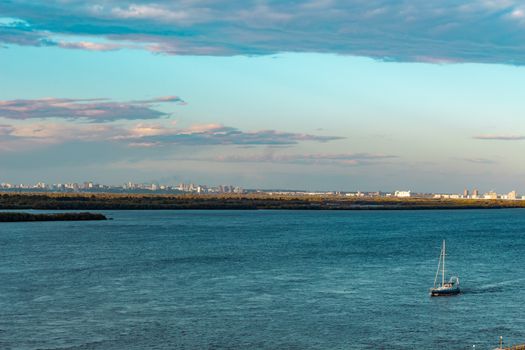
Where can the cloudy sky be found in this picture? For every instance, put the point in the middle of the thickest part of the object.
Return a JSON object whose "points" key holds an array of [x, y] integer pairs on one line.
{"points": [[317, 94]]}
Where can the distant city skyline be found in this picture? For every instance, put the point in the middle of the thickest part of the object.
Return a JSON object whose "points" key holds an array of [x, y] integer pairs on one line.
{"points": [[201, 188], [315, 95]]}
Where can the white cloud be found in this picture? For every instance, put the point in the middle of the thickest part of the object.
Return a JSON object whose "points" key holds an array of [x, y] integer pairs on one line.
{"points": [[155, 12]]}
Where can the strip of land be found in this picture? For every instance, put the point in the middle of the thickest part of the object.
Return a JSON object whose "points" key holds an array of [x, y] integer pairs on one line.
{"points": [[103, 201], [22, 217]]}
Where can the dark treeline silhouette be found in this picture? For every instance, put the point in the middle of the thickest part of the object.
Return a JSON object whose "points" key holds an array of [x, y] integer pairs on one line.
{"points": [[106, 201], [18, 217]]}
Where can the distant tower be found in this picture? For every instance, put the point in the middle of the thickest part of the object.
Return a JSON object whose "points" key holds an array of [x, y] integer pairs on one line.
{"points": [[465, 193], [475, 193]]}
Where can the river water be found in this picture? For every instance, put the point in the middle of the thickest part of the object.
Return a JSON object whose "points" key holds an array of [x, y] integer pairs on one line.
{"points": [[262, 280]]}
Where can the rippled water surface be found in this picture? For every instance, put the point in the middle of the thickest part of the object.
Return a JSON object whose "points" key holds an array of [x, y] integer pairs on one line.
{"points": [[262, 280]]}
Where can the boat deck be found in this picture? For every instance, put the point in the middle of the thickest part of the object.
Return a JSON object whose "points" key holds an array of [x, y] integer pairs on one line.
{"points": [[513, 347]]}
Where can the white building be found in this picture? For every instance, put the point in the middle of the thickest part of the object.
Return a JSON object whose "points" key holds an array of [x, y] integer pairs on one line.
{"points": [[490, 195], [402, 194]]}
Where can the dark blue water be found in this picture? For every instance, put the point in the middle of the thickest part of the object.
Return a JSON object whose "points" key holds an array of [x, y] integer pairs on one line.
{"points": [[262, 280]]}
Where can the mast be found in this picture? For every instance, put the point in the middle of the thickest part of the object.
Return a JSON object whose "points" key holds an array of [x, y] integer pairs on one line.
{"points": [[439, 267], [443, 274]]}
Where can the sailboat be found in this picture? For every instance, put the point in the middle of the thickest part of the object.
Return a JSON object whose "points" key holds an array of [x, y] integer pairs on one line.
{"points": [[445, 288]]}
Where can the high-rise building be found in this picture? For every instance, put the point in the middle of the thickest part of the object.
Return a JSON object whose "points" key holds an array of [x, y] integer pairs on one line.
{"points": [[465, 193], [475, 193], [512, 195]]}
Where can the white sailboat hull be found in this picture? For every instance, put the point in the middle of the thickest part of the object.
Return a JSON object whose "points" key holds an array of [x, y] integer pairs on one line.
{"points": [[449, 288]]}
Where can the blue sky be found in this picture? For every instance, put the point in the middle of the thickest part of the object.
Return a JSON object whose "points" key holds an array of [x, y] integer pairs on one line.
{"points": [[316, 94]]}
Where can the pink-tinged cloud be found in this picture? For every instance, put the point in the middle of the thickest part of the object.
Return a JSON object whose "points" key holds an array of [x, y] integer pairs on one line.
{"points": [[61, 132], [92, 110], [31, 136], [437, 60], [144, 129], [202, 128], [151, 134], [90, 46]]}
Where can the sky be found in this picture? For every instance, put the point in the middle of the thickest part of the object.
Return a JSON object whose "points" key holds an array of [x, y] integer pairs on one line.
{"points": [[314, 95]]}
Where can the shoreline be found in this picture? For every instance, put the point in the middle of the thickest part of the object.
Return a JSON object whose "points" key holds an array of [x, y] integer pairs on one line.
{"points": [[29, 217], [106, 201]]}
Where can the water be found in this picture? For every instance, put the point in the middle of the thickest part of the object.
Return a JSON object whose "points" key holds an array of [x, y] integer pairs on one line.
{"points": [[262, 280]]}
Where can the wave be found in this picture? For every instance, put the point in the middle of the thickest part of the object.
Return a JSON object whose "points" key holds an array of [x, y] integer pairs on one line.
{"points": [[494, 287]]}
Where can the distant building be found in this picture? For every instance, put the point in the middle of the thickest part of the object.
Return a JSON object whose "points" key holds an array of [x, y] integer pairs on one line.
{"points": [[402, 194], [475, 193], [447, 196], [465, 193], [490, 195], [513, 195]]}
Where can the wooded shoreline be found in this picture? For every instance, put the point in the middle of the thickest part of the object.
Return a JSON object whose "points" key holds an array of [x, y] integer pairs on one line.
{"points": [[24, 217], [106, 201]]}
